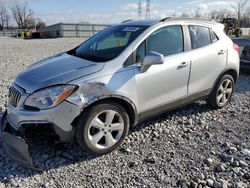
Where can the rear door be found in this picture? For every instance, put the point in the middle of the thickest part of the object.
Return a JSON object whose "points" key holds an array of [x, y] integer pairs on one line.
{"points": [[209, 57]]}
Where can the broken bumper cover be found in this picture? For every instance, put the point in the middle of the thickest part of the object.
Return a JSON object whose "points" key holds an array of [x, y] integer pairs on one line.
{"points": [[14, 121], [16, 147], [60, 116]]}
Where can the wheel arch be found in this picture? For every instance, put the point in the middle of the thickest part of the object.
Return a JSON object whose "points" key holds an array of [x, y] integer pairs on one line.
{"points": [[128, 105], [231, 71]]}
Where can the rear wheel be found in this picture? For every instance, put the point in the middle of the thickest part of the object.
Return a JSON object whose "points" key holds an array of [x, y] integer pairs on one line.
{"points": [[103, 128], [222, 92]]}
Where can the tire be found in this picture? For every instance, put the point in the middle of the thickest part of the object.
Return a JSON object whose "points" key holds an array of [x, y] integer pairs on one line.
{"points": [[230, 32], [222, 92], [238, 33], [99, 133]]}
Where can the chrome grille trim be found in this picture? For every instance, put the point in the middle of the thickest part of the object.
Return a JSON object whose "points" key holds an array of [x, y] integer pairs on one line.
{"points": [[14, 96]]}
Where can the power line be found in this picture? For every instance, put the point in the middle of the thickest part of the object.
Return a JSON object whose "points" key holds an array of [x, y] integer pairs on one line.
{"points": [[139, 10], [148, 11]]}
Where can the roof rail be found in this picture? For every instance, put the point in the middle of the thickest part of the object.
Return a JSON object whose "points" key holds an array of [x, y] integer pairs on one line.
{"points": [[127, 21], [164, 19]]}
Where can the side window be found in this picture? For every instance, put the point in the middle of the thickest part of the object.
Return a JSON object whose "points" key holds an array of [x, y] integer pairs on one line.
{"points": [[200, 36], [214, 37], [167, 40]]}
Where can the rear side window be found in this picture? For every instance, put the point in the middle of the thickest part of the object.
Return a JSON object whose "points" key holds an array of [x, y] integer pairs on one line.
{"points": [[200, 36], [214, 37]]}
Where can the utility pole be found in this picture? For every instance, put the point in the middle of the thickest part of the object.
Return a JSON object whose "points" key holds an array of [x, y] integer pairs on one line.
{"points": [[139, 10], [148, 14]]}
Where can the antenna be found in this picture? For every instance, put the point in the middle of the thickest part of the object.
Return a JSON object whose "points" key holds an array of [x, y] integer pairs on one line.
{"points": [[148, 14], [164, 19], [139, 10], [127, 21]]}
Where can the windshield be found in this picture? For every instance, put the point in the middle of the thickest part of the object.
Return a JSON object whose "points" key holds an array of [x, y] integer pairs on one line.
{"points": [[108, 44]]}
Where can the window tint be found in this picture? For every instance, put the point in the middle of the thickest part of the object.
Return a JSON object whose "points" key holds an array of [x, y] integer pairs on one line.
{"points": [[200, 36], [214, 37], [167, 40]]}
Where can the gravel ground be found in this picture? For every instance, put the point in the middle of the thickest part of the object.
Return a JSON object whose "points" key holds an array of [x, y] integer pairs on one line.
{"points": [[195, 146]]}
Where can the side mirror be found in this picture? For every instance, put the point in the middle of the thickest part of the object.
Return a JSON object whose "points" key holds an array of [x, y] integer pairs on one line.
{"points": [[153, 58]]}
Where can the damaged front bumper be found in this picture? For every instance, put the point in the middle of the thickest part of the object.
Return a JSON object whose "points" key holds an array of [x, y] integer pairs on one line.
{"points": [[15, 146], [15, 123], [17, 149]]}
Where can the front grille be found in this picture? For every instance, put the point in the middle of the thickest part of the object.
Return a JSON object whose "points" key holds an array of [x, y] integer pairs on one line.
{"points": [[14, 96]]}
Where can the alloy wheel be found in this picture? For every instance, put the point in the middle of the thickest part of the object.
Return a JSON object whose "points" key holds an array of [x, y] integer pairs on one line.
{"points": [[224, 92], [106, 129]]}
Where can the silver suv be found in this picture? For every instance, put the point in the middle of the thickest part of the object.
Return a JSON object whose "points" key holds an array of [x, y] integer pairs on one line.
{"points": [[119, 77]]}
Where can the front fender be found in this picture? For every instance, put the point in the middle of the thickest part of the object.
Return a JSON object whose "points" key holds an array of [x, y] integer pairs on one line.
{"points": [[90, 93]]}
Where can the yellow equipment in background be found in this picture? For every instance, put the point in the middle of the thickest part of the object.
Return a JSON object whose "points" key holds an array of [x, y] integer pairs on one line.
{"points": [[26, 35], [232, 27]]}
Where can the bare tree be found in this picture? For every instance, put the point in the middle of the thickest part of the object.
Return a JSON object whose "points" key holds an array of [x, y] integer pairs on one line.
{"points": [[240, 7], [245, 18], [3, 17], [31, 22], [7, 20], [40, 24], [22, 14], [219, 14], [213, 15]]}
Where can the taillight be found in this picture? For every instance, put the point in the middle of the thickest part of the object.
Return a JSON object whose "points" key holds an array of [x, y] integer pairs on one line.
{"points": [[237, 48]]}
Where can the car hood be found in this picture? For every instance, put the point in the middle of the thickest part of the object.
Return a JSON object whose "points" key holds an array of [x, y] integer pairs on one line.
{"points": [[59, 69]]}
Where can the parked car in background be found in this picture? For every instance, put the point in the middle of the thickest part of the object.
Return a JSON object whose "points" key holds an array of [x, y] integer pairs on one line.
{"points": [[121, 76], [245, 59]]}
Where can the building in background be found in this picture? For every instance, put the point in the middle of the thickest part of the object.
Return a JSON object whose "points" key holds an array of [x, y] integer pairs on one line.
{"points": [[71, 30]]}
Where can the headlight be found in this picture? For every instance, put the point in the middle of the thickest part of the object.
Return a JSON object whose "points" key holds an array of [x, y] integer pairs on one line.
{"points": [[49, 97]]}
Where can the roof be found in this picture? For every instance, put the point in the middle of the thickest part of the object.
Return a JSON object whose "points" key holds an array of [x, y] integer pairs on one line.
{"points": [[141, 22], [178, 20], [192, 20]]}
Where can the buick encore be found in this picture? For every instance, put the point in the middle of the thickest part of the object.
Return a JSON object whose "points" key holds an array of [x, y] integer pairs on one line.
{"points": [[125, 74]]}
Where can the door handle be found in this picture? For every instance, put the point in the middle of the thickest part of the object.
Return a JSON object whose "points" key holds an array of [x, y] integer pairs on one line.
{"points": [[221, 52], [182, 65]]}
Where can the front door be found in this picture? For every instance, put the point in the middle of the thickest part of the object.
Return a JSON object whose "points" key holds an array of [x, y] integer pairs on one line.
{"points": [[166, 83]]}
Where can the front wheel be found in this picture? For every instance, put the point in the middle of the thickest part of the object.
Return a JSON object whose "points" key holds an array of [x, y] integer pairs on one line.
{"points": [[238, 33], [222, 92], [103, 128], [230, 33]]}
